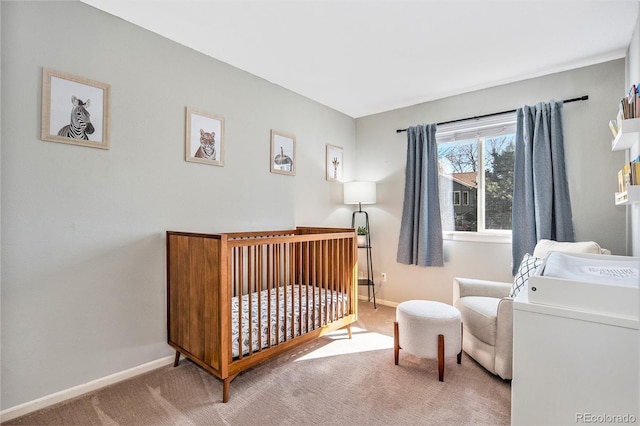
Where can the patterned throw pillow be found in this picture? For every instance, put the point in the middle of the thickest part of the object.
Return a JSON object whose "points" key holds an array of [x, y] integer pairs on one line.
{"points": [[527, 267]]}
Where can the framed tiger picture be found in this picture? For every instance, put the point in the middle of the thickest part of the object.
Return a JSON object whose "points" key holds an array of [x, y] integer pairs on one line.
{"points": [[75, 110], [204, 139]]}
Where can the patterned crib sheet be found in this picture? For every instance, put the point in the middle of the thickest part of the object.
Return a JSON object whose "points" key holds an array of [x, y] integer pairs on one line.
{"points": [[317, 312]]}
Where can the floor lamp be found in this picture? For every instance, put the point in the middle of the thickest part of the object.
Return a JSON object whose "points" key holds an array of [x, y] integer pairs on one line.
{"points": [[363, 193]]}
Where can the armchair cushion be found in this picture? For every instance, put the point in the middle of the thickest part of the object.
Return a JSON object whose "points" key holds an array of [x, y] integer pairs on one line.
{"points": [[464, 287], [479, 316], [527, 267]]}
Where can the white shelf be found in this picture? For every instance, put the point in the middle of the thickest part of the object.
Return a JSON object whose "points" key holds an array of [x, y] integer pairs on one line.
{"points": [[628, 134], [631, 196]]}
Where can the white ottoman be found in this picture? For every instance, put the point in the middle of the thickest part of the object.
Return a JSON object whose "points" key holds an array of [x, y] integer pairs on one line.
{"points": [[428, 329]]}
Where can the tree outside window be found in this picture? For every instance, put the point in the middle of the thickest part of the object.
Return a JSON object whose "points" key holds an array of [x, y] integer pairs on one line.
{"points": [[481, 170]]}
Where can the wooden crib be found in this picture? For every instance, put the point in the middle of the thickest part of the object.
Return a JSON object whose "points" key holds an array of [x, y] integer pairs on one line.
{"points": [[237, 299]]}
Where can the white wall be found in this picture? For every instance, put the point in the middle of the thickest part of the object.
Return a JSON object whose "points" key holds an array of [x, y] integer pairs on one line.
{"points": [[592, 168], [83, 266], [633, 77]]}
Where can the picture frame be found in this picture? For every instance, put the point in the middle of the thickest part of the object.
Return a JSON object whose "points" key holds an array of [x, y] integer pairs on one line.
{"points": [[75, 110], [334, 161], [283, 153], [204, 137]]}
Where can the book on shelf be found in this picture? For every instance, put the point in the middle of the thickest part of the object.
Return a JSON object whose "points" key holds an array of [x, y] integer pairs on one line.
{"points": [[619, 119], [629, 106], [614, 128], [629, 175], [622, 187]]}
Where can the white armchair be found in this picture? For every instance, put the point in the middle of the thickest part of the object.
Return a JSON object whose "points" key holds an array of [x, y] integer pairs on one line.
{"points": [[487, 318], [487, 311]]}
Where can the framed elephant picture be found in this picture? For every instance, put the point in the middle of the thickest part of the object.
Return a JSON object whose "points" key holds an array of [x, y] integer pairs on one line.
{"points": [[283, 153], [75, 110]]}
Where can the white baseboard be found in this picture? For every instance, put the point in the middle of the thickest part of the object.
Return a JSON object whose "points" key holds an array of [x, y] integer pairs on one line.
{"points": [[54, 398], [379, 301]]}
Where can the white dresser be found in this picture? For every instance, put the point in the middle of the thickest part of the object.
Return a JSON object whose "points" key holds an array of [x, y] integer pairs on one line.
{"points": [[573, 365]]}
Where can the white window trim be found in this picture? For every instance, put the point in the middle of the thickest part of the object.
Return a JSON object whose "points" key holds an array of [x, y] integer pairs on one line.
{"points": [[478, 128], [499, 236]]}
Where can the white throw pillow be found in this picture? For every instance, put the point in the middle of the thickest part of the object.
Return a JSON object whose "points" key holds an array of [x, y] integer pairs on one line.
{"points": [[545, 246], [527, 267]]}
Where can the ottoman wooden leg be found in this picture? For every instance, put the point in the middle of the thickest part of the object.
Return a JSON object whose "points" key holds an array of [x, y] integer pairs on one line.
{"points": [[460, 354], [440, 357], [396, 342]]}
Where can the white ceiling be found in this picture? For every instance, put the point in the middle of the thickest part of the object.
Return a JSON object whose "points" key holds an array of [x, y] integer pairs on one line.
{"points": [[363, 57]]}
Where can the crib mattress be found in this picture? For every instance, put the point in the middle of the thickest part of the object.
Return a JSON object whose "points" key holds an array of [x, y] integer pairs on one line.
{"points": [[316, 304]]}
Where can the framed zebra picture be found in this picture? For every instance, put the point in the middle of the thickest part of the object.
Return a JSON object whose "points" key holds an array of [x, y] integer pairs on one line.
{"points": [[333, 163], [75, 110], [283, 153], [204, 139]]}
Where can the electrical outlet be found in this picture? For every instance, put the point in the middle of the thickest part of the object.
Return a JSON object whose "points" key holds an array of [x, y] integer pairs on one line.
{"points": [[383, 277]]}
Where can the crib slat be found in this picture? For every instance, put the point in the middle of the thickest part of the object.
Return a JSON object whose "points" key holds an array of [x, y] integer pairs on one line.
{"points": [[239, 292], [249, 270], [259, 290], [292, 284], [313, 282], [338, 283], [277, 289], [299, 280], [345, 276], [332, 278], [341, 276], [325, 281], [307, 279], [283, 284], [269, 285]]}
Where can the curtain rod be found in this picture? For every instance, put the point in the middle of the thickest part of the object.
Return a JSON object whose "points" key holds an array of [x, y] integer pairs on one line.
{"points": [[566, 101]]}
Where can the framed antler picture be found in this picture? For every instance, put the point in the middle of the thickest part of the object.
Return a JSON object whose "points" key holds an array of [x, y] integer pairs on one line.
{"points": [[283, 153], [204, 139], [334, 163], [75, 110]]}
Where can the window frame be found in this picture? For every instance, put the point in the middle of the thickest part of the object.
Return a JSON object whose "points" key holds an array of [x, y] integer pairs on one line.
{"points": [[478, 129]]}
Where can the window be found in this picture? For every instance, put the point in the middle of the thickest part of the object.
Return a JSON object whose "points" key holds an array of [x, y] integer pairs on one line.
{"points": [[476, 161]]}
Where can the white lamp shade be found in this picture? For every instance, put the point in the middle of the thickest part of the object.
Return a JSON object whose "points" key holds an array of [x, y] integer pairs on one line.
{"points": [[360, 193]]}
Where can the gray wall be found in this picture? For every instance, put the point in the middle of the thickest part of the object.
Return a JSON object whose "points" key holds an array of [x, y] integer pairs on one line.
{"points": [[83, 278], [82, 229], [592, 169]]}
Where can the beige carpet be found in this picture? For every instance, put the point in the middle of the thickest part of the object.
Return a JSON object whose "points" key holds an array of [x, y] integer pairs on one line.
{"points": [[330, 381]]}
